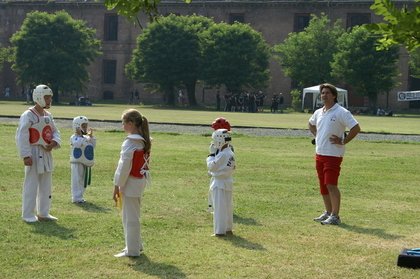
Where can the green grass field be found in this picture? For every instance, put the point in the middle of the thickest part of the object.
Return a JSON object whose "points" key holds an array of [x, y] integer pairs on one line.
{"points": [[275, 198], [403, 124]]}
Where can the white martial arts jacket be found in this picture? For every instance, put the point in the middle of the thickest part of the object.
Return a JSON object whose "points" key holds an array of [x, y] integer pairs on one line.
{"points": [[128, 184], [37, 152], [221, 168]]}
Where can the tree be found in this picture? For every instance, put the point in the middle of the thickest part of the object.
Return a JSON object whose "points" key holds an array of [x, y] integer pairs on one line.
{"points": [[400, 26], [305, 56], [6, 55], [2, 56], [168, 53], [131, 8], [414, 62], [54, 49], [236, 56], [368, 70]]}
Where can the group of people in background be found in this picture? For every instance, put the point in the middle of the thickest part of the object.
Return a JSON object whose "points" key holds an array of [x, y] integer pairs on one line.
{"points": [[244, 102], [37, 135], [134, 97]]}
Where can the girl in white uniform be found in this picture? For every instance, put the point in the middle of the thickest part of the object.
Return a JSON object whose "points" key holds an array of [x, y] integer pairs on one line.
{"points": [[81, 157], [36, 136], [221, 166], [131, 177]]}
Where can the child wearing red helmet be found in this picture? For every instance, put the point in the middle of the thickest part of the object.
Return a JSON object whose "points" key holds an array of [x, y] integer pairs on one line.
{"points": [[218, 123]]}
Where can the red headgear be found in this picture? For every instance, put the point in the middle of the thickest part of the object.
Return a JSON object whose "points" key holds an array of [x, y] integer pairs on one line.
{"points": [[220, 123]]}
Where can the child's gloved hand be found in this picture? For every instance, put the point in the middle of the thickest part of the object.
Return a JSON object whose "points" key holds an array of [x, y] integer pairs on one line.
{"points": [[212, 149]]}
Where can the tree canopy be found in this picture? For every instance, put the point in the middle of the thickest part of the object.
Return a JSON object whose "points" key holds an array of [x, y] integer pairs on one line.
{"points": [[414, 62], [236, 56], [400, 26], [305, 56], [168, 53], [131, 8], [2, 56], [177, 51], [359, 64], [54, 49]]}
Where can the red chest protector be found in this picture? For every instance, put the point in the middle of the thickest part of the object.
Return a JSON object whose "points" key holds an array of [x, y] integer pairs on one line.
{"points": [[140, 164], [40, 133]]}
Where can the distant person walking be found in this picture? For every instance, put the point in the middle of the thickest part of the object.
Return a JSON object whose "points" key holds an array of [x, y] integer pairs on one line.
{"points": [[274, 104], [281, 102], [7, 92], [328, 125]]}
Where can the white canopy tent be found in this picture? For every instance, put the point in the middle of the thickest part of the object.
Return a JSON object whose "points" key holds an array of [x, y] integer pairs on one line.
{"points": [[342, 97]]}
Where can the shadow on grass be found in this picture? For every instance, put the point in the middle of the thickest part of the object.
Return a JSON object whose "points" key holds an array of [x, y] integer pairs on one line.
{"points": [[54, 229], [243, 243], [372, 231], [91, 207], [245, 221], [160, 270]]}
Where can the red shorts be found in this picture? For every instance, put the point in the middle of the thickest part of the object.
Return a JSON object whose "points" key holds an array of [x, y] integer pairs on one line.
{"points": [[328, 169]]}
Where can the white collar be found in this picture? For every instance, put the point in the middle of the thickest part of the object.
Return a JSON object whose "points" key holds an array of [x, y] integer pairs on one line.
{"points": [[135, 137]]}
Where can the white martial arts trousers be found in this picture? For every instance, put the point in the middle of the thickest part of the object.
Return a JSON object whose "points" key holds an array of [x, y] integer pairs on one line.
{"points": [[131, 224], [223, 210], [77, 181], [36, 196]]}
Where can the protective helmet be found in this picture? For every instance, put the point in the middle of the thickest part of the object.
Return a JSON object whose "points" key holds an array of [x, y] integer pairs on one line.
{"points": [[77, 123], [39, 92], [220, 137], [220, 123]]}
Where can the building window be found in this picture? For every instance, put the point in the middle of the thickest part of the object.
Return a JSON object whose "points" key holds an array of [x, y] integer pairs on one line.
{"points": [[301, 22], [108, 95], [111, 27], [236, 18], [109, 71], [357, 19]]}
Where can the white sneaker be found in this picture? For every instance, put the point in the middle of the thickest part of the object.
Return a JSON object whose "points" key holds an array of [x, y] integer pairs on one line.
{"points": [[332, 220], [324, 216], [30, 219], [121, 254], [124, 253], [49, 217]]}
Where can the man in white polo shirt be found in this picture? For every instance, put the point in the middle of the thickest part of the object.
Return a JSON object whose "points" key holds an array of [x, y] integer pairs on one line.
{"points": [[328, 125]]}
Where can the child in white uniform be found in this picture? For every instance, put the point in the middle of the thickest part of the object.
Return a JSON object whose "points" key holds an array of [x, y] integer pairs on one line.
{"points": [[218, 123], [131, 177], [221, 166], [81, 157], [36, 136]]}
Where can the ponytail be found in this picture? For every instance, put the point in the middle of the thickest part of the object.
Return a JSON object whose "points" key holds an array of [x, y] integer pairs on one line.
{"points": [[144, 131], [142, 124]]}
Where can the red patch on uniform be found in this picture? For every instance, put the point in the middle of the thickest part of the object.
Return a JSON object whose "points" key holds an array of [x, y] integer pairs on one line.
{"points": [[33, 135], [47, 134]]}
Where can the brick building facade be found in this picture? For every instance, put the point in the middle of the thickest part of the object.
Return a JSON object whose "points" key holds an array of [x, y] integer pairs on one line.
{"points": [[274, 19]]}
